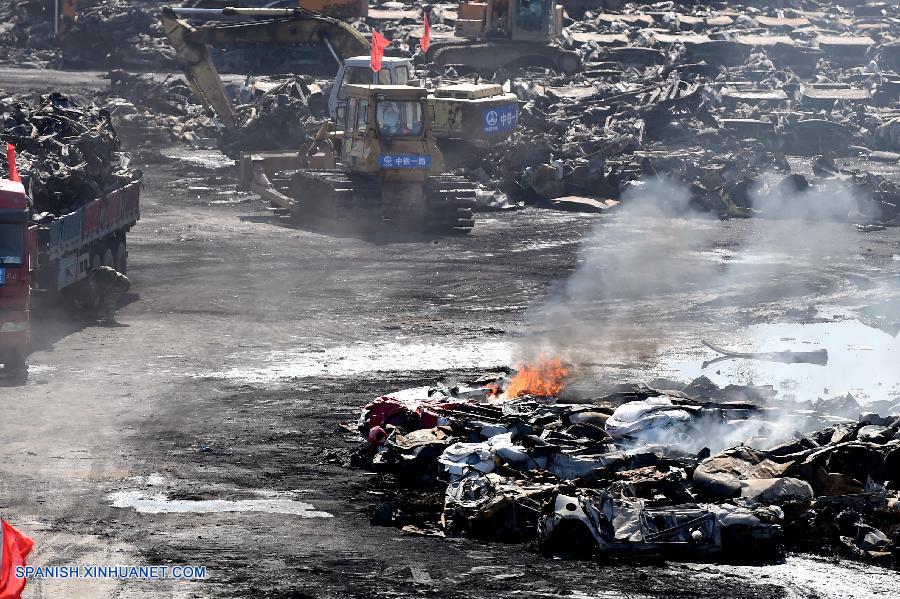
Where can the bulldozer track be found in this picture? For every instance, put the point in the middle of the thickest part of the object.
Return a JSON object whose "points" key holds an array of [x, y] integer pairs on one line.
{"points": [[342, 201], [495, 55]]}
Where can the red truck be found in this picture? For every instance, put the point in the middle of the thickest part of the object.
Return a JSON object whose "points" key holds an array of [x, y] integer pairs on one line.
{"points": [[54, 258]]}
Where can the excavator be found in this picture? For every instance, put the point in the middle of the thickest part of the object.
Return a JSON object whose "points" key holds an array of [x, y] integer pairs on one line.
{"points": [[293, 26], [494, 34], [365, 175], [382, 171], [344, 9]]}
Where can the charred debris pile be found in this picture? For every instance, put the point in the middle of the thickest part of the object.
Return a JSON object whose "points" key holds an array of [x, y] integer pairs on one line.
{"points": [[67, 153], [686, 471], [279, 113], [106, 34]]}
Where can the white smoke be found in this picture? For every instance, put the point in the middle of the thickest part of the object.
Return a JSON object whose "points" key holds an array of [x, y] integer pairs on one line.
{"points": [[651, 278]]}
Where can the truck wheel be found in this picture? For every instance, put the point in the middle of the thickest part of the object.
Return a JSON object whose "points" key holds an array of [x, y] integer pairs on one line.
{"points": [[15, 363], [122, 258]]}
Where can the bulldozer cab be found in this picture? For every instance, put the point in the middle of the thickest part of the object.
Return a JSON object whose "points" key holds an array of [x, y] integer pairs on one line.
{"points": [[387, 130], [526, 20], [358, 71]]}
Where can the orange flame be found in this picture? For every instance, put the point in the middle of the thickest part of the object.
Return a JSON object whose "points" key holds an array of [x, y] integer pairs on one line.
{"points": [[544, 378]]}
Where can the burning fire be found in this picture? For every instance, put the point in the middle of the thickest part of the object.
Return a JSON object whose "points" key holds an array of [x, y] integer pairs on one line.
{"points": [[543, 378]]}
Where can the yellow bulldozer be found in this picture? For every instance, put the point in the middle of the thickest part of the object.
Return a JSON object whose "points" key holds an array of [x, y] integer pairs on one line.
{"points": [[382, 171], [494, 34]]}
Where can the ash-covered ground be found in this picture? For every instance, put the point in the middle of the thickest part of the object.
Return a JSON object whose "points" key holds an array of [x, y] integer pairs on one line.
{"points": [[248, 341]]}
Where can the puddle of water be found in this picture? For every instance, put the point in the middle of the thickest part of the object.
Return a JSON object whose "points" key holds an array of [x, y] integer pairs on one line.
{"points": [[803, 577], [160, 504], [361, 358], [210, 159], [229, 201], [861, 360], [543, 245], [734, 257]]}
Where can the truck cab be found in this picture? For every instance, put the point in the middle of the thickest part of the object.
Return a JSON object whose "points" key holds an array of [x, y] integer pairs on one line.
{"points": [[15, 291]]}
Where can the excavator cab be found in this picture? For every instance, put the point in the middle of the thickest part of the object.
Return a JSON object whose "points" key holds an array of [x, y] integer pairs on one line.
{"points": [[387, 130], [511, 34], [522, 20]]}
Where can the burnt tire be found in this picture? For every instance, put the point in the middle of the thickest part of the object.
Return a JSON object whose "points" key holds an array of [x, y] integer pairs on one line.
{"points": [[14, 363]]}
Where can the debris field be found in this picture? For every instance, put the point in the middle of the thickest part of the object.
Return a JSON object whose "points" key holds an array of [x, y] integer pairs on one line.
{"points": [[742, 103]]}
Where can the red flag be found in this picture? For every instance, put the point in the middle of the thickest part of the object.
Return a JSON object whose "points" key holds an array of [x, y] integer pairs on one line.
{"points": [[11, 161], [15, 546], [426, 36], [379, 43]]}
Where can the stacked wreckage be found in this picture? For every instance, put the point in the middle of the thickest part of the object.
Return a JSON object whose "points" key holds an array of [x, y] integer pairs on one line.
{"points": [[691, 472], [68, 153]]}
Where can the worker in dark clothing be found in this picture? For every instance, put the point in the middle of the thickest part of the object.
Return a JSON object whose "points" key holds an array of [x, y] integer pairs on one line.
{"points": [[108, 285]]}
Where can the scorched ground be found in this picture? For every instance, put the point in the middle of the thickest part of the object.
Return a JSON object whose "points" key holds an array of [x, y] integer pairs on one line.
{"points": [[248, 340]]}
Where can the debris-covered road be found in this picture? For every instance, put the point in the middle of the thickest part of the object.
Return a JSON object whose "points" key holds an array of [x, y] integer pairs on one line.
{"points": [[247, 341]]}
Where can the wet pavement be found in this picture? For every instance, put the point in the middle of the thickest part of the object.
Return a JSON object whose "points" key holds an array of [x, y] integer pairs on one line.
{"points": [[861, 362]]}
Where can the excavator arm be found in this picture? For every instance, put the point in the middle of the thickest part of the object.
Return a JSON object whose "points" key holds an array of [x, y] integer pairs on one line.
{"points": [[280, 26]]}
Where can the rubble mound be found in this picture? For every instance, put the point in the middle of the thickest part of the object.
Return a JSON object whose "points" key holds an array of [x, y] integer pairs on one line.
{"points": [[105, 34], [153, 112], [25, 32], [279, 118], [116, 34]]}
